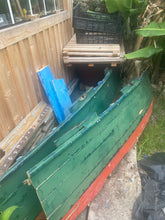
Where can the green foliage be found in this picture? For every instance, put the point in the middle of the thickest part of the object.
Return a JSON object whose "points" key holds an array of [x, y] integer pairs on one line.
{"points": [[152, 30], [5, 215], [146, 52], [127, 7], [152, 139]]}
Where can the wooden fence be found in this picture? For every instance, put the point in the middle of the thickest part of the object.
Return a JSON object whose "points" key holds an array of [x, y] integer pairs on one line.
{"points": [[24, 49]]}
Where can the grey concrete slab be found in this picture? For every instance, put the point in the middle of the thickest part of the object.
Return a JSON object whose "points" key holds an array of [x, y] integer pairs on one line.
{"points": [[116, 199]]}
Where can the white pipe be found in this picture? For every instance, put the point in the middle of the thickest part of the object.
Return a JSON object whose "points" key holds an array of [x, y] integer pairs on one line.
{"points": [[11, 12], [44, 7], [55, 5], [30, 6]]}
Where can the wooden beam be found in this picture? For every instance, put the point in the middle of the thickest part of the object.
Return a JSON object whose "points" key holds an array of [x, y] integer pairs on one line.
{"points": [[92, 54], [26, 135], [98, 60], [20, 32], [92, 48]]}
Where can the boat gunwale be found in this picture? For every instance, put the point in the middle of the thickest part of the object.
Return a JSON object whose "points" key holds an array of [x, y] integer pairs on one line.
{"points": [[33, 151], [58, 151]]}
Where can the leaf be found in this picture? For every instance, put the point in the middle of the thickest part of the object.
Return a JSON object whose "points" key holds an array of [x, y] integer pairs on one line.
{"points": [[152, 30], [126, 7], [118, 5], [7, 213], [144, 53]]}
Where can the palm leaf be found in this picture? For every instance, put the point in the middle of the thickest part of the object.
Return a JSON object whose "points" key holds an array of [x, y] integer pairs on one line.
{"points": [[118, 5], [144, 53], [152, 30]]}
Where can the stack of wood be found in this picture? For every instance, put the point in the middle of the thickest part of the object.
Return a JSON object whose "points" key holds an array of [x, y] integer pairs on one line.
{"points": [[29, 132], [74, 53]]}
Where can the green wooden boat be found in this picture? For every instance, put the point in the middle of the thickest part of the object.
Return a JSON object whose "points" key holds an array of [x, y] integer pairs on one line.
{"points": [[66, 170]]}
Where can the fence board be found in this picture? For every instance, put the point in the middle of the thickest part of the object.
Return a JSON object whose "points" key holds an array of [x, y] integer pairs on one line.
{"points": [[24, 49], [17, 33]]}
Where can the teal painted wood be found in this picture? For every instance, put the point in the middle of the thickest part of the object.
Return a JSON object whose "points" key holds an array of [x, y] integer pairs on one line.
{"points": [[13, 191], [63, 176]]}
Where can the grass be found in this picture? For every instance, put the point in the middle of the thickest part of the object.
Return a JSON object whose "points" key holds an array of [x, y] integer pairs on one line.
{"points": [[153, 137]]}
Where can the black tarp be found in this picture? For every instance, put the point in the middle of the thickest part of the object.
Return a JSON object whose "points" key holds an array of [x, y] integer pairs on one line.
{"points": [[150, 205]]}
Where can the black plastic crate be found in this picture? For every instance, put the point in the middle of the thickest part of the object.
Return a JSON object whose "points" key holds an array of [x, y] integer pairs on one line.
{"points": [[96, 22], [86, 37]]}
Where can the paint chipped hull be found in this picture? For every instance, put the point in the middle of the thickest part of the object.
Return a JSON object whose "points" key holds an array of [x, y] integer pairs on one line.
{"points": [[12, 187], [82, 163]]}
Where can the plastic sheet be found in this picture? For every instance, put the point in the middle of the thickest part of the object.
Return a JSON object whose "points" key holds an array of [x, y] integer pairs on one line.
{"points": [[150, 205]]}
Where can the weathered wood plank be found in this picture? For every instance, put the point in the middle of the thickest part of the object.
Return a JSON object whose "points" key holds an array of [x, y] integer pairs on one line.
{"points": [[92, 59], [11, 109], [14, 34], [19, 78], [23, 126], [93, 48], [90, 54], [25, 135]]}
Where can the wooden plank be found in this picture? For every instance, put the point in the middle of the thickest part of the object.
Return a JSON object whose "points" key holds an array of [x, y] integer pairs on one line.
{"points": [[68, 72], [41, 48], [17, 33], [92, 59], [6, 119], [91, 54], [11, 108], [56, 92], [56, 51], [93, 48], [46, 42], [26, 67], [21, 129], [14, 144], [60, 41], [53, 52], [33, 60], [19, 78], [70, 44]]}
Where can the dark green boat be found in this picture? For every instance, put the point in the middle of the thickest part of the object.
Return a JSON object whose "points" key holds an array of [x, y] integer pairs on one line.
{"points": [[64, 172]]}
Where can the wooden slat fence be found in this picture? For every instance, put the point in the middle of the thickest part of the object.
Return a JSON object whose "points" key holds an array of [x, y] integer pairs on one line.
{"points": [[24, 49]]}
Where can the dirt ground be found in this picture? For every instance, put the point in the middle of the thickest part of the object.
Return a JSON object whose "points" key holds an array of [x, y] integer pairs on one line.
{"points": [[116, 199]]}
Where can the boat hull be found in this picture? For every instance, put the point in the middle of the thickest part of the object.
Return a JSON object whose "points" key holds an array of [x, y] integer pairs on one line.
{"points": [[97, 185], [61, 179], [12, 187]]}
